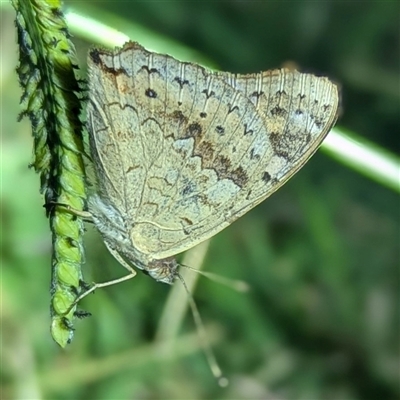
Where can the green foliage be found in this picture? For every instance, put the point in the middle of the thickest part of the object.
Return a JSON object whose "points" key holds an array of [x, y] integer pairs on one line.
{"points": [[321, 255]]}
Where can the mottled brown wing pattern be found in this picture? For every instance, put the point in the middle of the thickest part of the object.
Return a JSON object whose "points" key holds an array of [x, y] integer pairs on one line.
{"points": [[202, 148]]}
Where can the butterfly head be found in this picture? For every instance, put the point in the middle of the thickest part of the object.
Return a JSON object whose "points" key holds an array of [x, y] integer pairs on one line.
{"points": [[164, 270]]}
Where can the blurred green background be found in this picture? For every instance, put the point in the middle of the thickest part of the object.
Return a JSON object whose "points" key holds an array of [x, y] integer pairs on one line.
{"points": [[322, 255]]}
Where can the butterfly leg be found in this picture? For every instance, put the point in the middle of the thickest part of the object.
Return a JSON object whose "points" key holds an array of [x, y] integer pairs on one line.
{"points": [[121, 261], [108, 283], [79, 213]]}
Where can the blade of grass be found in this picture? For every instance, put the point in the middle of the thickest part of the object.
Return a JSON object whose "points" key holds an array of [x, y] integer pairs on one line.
{"points": [[363, 156]]}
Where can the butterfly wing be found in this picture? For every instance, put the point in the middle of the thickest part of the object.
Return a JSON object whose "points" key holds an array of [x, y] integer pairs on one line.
{"points": [[182, 152]]}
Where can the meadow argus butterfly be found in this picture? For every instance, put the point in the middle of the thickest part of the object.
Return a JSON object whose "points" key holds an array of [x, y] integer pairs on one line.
{"points": [[180, 152]]}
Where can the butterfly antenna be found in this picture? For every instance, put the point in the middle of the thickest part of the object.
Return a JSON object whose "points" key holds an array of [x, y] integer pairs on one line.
{"points": [[235, 284], [212, 361]]}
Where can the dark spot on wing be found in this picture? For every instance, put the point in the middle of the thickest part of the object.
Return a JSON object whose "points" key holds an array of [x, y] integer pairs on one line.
{"points": [[254, 155], [149, 70], [181, 82], [257, 94], [150, 93], [221, 166], [220, 129], [232, 109], [95, 56], [278, 112], [247, 131], [206, 151], [194, 130], [187, 220], [266, 177], [318, 123], [208, 93], [239, 176], [178, 115], [279, 145]]}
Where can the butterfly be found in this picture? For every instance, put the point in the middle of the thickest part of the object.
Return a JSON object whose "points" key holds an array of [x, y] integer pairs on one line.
{"points": [[180, 152]]}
